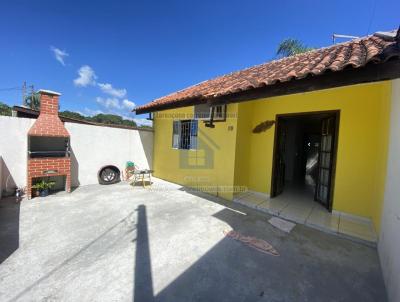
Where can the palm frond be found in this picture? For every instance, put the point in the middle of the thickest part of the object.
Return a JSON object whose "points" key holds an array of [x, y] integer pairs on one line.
{"points": [[290, 47]]}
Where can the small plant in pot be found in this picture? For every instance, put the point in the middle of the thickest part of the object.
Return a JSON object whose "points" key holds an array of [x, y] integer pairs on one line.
{"points": [[43, 187]]}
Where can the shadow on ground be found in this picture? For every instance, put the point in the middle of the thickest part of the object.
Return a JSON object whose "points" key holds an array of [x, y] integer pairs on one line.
{"points": [[312, 266], [9, 227], [101, 238], [139, 183]]}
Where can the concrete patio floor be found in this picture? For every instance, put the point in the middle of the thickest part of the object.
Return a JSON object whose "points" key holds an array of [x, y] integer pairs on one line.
{"points": [[299, 206], [119, 243]]}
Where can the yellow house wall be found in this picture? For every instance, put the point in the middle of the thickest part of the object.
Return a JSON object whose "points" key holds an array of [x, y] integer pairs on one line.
{"points": [[244, 127], [242, 158], [362, 147], [186, 167]]}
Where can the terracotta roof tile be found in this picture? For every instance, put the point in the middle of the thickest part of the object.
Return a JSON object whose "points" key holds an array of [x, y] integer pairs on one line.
{"points": [[356, 53]]}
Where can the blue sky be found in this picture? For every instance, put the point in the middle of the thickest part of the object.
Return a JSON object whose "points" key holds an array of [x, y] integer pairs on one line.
{"points": [[135, 51]]}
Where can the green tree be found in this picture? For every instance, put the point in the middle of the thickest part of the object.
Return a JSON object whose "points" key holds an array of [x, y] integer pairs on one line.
{"points": [[129, 123], [107, 119], [290, 47], [33, 101], [5, 109], [101, 118], [112, 119], [145, 127], [72, 114]]}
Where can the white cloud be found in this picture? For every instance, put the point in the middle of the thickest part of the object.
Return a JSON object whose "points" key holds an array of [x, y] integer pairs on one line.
{"points": [[108, 89], [116, 104], [59, 54], [86, 77], [128, 104], [109, 103], [143, 122]]}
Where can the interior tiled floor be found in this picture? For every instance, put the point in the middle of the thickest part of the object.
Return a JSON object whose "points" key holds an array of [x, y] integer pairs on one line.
{"points": [[297, 204]]}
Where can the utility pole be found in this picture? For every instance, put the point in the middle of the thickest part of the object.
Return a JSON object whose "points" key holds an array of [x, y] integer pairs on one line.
{"points": [[32, 92], [32, 89], [24, 94]]}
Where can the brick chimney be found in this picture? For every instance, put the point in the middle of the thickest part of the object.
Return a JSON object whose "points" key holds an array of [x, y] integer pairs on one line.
{"points": [[48, 144], [48, 122]]}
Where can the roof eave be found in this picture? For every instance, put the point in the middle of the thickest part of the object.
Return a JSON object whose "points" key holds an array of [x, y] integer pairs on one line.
{"points": [[170, 105], [372, 72]]}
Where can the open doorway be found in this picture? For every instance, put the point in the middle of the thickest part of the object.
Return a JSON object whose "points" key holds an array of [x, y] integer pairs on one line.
{"points": [[305, 156]]}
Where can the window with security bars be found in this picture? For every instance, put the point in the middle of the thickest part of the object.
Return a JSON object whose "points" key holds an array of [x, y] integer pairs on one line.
{"points": [[184, 134]]}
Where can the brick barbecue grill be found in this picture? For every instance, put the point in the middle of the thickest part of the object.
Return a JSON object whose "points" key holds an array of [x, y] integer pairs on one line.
{"points": [[48, 144]]}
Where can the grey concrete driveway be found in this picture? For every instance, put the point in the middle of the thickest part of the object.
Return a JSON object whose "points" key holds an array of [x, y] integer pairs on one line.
{"points": [[118, 243]]}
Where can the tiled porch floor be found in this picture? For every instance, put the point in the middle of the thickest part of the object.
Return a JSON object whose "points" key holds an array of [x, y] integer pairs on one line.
{"points": [[297, 205]]}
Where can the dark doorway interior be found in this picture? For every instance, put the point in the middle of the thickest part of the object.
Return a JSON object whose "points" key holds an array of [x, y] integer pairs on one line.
{"points": [[305, 154]]}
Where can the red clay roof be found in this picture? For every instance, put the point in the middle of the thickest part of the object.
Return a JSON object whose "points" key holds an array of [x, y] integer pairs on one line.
{"points": [[377, 48]]}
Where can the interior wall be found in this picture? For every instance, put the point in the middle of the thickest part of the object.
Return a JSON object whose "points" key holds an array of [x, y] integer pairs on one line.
{"points": [[389, 239], [298, 128], [92, 147], [211, 166], [361, 158], [291, 149]]}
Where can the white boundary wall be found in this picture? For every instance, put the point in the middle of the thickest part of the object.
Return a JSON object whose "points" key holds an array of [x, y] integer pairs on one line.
{"points": [[389, 240], [92, 147], [13, 150]]}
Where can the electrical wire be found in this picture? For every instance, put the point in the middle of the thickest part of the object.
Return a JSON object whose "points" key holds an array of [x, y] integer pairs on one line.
{"points": [[10, 88]]}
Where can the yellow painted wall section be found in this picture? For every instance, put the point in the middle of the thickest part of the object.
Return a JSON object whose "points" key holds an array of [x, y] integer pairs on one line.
{"points": [[362, 148], [242, 158], [381, 163], [244, 128], [211, 166]]}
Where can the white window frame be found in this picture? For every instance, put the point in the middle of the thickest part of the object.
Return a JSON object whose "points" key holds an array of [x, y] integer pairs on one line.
{"points": [[215, 118]]}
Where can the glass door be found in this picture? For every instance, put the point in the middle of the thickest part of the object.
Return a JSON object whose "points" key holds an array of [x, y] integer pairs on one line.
{"points": [[325, 162]]}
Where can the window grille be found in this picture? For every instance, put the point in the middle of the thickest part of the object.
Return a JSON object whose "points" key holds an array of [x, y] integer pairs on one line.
{"points": [[184, 135]]}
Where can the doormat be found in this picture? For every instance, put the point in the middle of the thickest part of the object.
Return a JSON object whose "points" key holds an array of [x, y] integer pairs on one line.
{"points": [[253, 242], [281, 224]]}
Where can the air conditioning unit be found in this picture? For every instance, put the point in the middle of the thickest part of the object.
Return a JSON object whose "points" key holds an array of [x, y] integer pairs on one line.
{"points": [[208, 113]]}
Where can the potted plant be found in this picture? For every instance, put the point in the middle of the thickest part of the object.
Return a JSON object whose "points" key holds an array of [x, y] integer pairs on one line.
{"points": [[43, 187]]}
